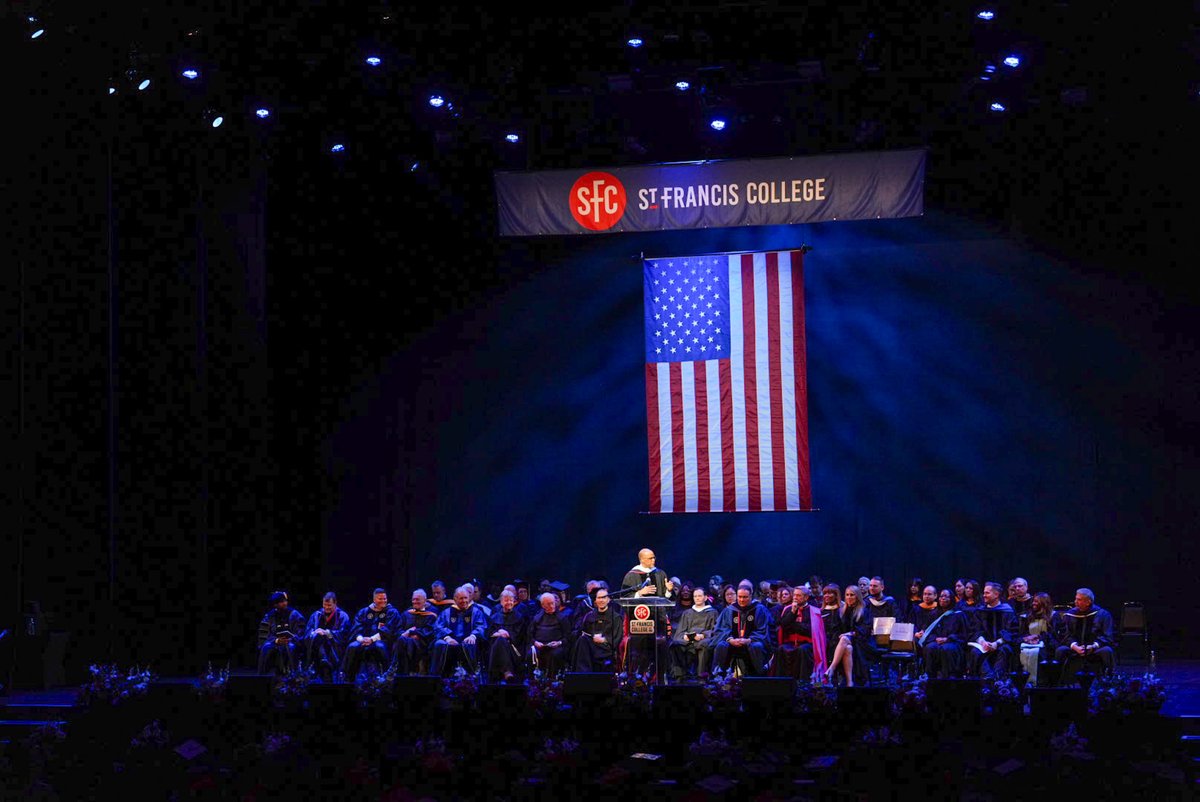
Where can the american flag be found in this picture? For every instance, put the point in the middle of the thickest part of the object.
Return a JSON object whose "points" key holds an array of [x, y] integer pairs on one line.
{"points": [[726, 388]]}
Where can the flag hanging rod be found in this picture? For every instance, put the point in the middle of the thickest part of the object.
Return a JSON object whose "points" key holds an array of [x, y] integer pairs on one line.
{"points": [[642, 256]]}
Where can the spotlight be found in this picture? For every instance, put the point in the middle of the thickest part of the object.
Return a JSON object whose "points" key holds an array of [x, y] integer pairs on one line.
{"points": [[213, 118], [412, 168], [717, 124], [986, 15], [513, 138], [437, 101], [145, 83], [634, 42], [682, 86], [262, 114], [37, 32], [112, 90], [1012, 61], [190, 74], [338, 148], [374, 61], [997, 106], [35, 28], [216, 123], [989, 67]]}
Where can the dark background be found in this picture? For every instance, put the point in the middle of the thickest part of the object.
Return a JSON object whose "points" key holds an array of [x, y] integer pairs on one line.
{"points": [[236, 362]]}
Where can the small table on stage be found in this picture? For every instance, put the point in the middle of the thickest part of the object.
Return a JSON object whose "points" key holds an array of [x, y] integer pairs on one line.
{"points": [[641, 619]]}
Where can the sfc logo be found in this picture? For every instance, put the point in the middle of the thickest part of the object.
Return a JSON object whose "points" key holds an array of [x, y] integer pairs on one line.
{"points": [[641, 612], [597, 201]]}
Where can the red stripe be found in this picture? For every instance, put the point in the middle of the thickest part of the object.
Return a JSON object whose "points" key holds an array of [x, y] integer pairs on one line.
{"points": [[800, 370], [728, 494], [750, 374], [677, 436], [778, 469], [652, 443], [703, 492]]}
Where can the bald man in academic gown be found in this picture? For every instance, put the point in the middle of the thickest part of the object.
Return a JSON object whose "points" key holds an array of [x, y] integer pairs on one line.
{"points": [[642, 652], [1086, 637]]}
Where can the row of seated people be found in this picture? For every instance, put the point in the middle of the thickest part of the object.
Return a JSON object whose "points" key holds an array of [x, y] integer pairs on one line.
{"points": [[823, 638]]}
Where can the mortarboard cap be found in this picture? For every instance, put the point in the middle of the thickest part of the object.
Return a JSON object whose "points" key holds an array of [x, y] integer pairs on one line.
{"points": [[278, 596], [559, 586]]}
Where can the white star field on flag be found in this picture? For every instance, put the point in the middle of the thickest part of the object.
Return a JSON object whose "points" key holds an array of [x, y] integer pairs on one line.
{"points": [[687, 311]]}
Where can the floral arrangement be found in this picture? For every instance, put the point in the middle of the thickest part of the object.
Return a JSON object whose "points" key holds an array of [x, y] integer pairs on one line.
{"points": [[1069, 743], [375, 686], [212, 684], [294, 684], [882, 736], [559, 750], [152, 736], [634, 689], [275, 743], [1123, 694], [433, 756], [723, 690], [543, 693], [709, 746], [814, 699], [1000, 692], [111, 684], [462, 687]]}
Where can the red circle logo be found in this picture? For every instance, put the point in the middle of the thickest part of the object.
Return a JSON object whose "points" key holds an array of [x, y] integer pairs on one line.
{"points": [[641, 612], [597, 201]]}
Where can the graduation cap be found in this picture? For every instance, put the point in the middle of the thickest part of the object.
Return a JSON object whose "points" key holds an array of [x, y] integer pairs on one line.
{"points": [[278, 596], [560, 587]]}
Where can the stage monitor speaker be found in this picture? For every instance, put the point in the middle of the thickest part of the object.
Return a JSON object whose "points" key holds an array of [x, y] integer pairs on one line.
{"points": [[250, 689], [768, 689], [864, 703], [587, 683], [1055, 705], [417, 687]]}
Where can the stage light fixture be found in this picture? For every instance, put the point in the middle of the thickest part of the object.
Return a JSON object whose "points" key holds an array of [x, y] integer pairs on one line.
{"points": [[338, 148], [216, 123], [437, 101], [635, 42], [682, 86], [37, 33], [1012, 61], [374, 61], [112, 90], [997, 106], [262, 114], [144, 85], [190, 74], [36, 29], [412, 168], [513, 138], [717, 124], [986, 15], [989, 67]]}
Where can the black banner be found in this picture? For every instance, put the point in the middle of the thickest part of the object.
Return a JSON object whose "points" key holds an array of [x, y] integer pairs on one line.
{"points": [[758, 192]]}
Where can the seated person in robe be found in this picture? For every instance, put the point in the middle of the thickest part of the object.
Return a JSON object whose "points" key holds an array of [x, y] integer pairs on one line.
{"points": [[457, 634], [599, 634], [691, 643], [742, 632], [279, 635], [801, 637], [505, 634], [372, 635], [438, 600], [1086, 641], [944, 639], [416, 634], [1041, 630], [991, 648], [855, 638], [549, 632], [325, 636], [1019, 598]]}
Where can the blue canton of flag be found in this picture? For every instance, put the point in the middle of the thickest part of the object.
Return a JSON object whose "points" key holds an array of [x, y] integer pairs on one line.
{"points": [[687, 309]]}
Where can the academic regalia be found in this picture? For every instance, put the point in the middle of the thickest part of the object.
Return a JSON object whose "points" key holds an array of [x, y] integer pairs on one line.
{"points": [[279, 657], [411, 649], [592, 656], [1021, 606], [459, 625], [505, 655], [944, 660], [367, 622], [325, 653], [794, 657], [883, 607], [905, 608], [1091, 627], [970, 610], [921, 616], [832, 618], [1032, 655], [992, 624], [743, 622], [640, 650], [546, 628], [686, 652]]}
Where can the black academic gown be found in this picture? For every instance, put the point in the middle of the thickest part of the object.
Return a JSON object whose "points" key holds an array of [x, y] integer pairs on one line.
{"points": [[506, 655], [325, 653], [367, 622], [999, 624], [750, 622], [795, 655], [641, 652], [547, 628], [592, 656], [1091, 627], [412, 648], [687, 652], [945, 660], [287, 624], [458, 625]]}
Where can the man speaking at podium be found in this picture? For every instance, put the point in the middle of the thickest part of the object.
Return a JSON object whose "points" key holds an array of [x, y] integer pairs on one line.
{"points": [[641, 650]]}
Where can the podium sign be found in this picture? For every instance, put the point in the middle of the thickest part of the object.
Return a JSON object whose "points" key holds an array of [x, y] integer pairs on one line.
{"points": [[641, 623]]}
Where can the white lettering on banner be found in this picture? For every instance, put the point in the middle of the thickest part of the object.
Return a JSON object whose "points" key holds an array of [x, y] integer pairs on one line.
{"points": [[798, 190], [599, 196], [688, 197]]}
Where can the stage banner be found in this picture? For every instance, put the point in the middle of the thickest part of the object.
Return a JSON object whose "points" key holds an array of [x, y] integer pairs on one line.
{"points": [[758, 192], [726, 383]]}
